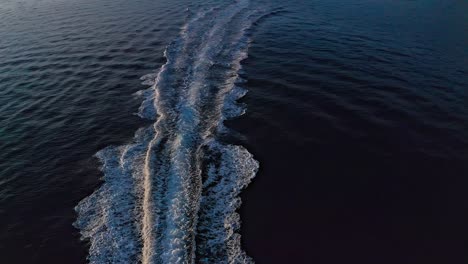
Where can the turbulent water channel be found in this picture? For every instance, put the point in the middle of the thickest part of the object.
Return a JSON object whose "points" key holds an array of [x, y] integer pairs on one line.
{"points": [[171, 195]]}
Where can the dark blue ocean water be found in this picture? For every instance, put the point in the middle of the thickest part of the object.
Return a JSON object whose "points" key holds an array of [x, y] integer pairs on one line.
{"points": [[356, 112]]}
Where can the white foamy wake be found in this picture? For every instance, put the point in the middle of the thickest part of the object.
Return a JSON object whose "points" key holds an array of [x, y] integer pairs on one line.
{"points": [[171, 196]]}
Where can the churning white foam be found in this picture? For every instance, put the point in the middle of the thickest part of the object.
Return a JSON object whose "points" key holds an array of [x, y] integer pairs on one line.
{"points": [[171, 195]]}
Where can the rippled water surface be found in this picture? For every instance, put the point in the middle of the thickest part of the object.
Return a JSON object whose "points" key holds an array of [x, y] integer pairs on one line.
{"points": [[356, 114]]}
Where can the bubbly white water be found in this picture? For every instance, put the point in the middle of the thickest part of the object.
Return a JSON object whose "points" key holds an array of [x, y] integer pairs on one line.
{"points": [[171, 196]]}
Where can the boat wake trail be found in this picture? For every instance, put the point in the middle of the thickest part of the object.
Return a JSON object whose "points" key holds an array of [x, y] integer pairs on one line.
{"points": [[171, 195]]}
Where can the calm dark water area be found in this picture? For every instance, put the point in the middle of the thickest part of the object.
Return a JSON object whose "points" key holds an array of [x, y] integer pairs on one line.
{"points": [[357, 112]]}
